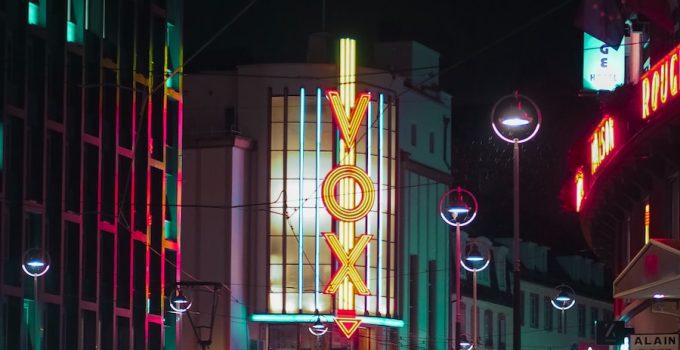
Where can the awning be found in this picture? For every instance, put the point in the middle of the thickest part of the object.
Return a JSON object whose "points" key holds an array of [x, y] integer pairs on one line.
{"points": [[653, 272]]}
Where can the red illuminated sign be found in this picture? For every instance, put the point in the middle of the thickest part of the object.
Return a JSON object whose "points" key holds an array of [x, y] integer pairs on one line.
{"points": [[660, 84], [580, 188], [601, 143]]}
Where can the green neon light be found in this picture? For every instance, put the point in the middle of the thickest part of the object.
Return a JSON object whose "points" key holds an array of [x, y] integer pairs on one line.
{"points": [[301, 318], [33, 13], [70, 32]]}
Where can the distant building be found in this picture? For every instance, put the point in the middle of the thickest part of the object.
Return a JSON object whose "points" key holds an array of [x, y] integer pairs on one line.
{"points": [[543, 326], [254, 171], [90, 171]]}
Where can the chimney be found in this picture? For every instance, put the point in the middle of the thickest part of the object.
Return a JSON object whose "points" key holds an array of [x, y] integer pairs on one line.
{"points": [[319, 48]]}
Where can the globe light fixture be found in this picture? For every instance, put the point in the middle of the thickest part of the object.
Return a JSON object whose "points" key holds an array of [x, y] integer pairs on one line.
{"points": [[318, 328], [458, 207], [515, 118], [179, 303], [464, 343], [563, 297], [36, 262]]}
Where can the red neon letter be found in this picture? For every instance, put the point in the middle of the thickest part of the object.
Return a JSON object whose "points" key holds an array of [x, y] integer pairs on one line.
{"points": [[672, 75]]}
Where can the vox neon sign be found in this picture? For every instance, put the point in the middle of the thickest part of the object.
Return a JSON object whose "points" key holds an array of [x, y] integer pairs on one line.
{"points": [[339, 195], [347, 193]]}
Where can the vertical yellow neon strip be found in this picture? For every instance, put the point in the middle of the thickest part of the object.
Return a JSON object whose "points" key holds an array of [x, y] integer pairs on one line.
{"points": [[647, 220], [347, 156]]}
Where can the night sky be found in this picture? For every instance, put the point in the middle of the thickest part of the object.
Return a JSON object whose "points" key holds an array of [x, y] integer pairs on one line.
{"points": [[488, 49]]}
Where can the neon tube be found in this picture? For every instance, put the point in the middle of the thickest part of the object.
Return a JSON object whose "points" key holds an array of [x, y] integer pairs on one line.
{"points": [[301, 318], [316, 205], [300, 197], [368, 171], [381, 139]]}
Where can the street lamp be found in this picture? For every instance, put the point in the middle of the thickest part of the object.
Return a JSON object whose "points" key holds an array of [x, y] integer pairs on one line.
{"points": [[563, 299], [36, 263], [476, 259], [457, 207], [464, 343], [179, 303], [318, 328], [516, 119]]}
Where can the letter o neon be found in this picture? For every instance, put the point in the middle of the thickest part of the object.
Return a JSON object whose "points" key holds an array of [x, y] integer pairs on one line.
{"points": [[365, 184]]}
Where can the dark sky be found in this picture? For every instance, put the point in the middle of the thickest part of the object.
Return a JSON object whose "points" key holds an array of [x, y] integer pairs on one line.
{"points": [[490, 47]]}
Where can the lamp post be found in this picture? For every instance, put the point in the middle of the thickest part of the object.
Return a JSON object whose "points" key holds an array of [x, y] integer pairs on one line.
{"points": [[36, 263], [516, 119], [457, 207], [476, 259], [180, 304], [563, 299]]}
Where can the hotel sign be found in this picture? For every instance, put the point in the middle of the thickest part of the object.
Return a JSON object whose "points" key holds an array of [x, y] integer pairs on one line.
{"points": [[654, 342], [603, 67], [659, 85]]}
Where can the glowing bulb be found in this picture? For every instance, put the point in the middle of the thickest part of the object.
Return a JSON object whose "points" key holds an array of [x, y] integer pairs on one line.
{"points": [[515, 120], [35, 263], [659, 296], [458, 210]]}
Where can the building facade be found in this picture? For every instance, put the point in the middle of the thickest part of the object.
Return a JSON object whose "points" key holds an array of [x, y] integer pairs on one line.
{"points": [[280, 263], [626, 187], [90, 164], [543, 326]]}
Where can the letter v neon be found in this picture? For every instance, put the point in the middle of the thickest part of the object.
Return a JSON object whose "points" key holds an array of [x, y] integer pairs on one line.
{"points": [[349, 126]]}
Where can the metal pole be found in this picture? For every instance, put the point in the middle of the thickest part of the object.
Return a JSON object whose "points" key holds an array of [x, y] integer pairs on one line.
{"points": [[517, 311], [459, 297], [475, 312], [36, 326]]}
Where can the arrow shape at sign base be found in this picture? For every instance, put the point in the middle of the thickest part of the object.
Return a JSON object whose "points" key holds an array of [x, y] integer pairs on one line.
{"points": [[347, 322]]}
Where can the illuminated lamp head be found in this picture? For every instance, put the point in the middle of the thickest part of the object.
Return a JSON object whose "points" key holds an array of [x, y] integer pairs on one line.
{"points": [[474, 255], [659, 296], [515, 118], [564, 297], [458, 207], [179, 303], [36, 262], [477, 256], [318, 328], [464, 343]]}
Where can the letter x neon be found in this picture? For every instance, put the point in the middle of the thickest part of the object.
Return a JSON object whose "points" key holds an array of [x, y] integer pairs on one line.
{"points": [[347, 259]]}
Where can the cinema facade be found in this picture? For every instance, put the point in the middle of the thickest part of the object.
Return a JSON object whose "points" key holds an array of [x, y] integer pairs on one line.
{"points": [[627, 194], [273, 151]]}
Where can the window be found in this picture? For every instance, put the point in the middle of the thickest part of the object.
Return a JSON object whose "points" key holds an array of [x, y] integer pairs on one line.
{"points": [[431, 142], [581, 321], [594, 315], [547, 314], [431, 304], [521, 307], [501, 332], [534, 310], [463, 318], [413, 135], [488, 328]]}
